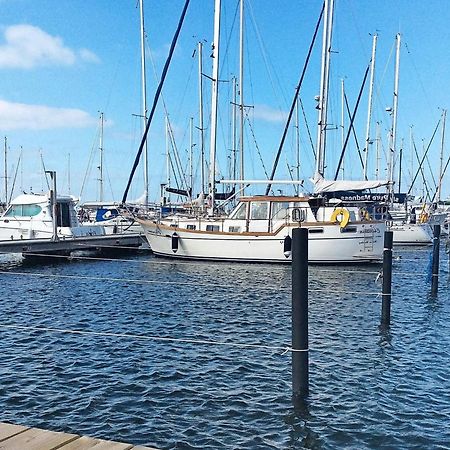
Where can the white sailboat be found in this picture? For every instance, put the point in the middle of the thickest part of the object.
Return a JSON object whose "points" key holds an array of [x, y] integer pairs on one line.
{"points": [[259, 229]]}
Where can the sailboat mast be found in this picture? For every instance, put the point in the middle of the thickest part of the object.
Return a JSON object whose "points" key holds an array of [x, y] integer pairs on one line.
{"points": [[144, 98], [369, 108], [342, 119], [324, 80], [191, 154], [100, 167], [441, 156], [214, 104], [241, 92], [394, 117], [200, 114], [6, 170]]}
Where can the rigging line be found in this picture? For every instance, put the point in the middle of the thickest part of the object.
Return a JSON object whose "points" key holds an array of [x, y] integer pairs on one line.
{"points": [[134, 280], [352, 126], [256, 144], [284, 348], [87, 173], [155, 100], [294, 102], [424, 156], [14, 179], [178, 283], [307, 127], [272, 73], [351, 122], [440, 179]]}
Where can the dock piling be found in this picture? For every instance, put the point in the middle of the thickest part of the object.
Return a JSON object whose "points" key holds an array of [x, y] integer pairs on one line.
{"points": [[300, 352], [387, 279], [435, 263]]}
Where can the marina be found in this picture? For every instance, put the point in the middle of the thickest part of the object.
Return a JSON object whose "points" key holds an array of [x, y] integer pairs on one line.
{"points": [[257, 258], [174, 354]]}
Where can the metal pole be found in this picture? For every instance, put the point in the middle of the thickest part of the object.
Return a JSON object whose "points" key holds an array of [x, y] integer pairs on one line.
{"points": [[53, 201], [435, 266], [387, 279], [300, 369]]}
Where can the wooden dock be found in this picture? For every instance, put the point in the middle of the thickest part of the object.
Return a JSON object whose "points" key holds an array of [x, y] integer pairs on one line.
{"points": [[18, 437], [105, 243]]}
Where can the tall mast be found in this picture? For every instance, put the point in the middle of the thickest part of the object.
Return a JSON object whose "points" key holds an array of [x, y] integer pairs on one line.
{"points": [[369, 107], [378, 153], [324, 79], [214, 102], [297, 143], [234, 130], [6, 170], [100, 167], [191, 154], [241, 91], [394, 118], [200, 115], [144, 99], [444, 116], [342, 120], [167, 158]]}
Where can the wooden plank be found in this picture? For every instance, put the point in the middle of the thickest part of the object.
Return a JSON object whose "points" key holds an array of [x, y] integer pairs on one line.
{"points": [[18, 437], [87, 443], [8, 430], [37, 439]]}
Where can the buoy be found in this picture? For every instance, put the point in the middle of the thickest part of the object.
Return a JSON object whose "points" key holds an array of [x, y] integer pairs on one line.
{"points": [[287, 247], [175, 239], [340, 215]]}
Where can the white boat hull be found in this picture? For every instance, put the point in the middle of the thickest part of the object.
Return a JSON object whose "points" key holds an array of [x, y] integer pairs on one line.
{"points": [[332, 245], [411, 234]]}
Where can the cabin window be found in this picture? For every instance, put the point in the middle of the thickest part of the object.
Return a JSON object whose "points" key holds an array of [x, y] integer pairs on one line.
{"points": [[240, 212], [259, 210], [212, 227], [315, 230], [234, 229], [23, 210], [191, 227], [280, 210]]}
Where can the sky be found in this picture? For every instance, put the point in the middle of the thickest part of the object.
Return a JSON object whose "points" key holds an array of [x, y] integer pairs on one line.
{"points": [[65, 62]]}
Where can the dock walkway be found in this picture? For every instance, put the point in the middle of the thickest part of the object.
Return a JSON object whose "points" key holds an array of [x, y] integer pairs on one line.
{"points": [[18, 437]]}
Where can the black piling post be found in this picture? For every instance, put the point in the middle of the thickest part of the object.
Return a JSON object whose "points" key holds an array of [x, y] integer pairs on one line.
{"points": [[387, 279], [300, 360], [435, 265]]}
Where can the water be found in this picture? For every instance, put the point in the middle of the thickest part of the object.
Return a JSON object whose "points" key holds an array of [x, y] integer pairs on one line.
{"points": [[369, 388]]}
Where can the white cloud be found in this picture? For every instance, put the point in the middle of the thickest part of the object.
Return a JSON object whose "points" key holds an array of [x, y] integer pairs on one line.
{"points": [[268, 114], [19, 116], [27, 46]]}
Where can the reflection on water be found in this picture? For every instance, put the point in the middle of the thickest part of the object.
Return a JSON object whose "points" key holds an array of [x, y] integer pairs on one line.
{"points": [[370, 387]]}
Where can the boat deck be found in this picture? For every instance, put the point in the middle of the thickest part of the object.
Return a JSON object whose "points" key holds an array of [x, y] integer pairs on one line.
{"points": [[19, 437]]}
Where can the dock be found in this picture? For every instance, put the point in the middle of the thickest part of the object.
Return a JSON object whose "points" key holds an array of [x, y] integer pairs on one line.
{"points": [[19, 437], [105, 243]]}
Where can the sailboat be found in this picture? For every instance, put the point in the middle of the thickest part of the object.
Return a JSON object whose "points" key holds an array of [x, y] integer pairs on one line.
{"points": [[259, 229]]}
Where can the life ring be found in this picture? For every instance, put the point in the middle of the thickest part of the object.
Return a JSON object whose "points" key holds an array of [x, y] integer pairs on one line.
{"points": [[343, 219]]}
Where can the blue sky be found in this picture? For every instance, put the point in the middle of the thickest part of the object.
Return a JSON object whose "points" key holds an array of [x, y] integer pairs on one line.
{"points": [[63, 62]]}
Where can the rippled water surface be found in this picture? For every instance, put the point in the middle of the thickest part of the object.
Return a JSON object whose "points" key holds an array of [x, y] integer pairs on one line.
{"points": [[369, 387]]}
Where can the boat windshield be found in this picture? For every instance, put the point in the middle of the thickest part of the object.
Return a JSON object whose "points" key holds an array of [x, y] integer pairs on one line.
{"points": [[239, 212], [23, 210], [259, 210], [280, 210]]}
